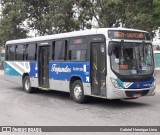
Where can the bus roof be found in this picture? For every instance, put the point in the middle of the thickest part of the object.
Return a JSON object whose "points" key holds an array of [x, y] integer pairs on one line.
{"points": [[68, 34]]}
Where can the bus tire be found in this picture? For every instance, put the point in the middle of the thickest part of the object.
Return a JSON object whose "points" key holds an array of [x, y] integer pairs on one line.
{"points": [[27, 85], [77, 92]]}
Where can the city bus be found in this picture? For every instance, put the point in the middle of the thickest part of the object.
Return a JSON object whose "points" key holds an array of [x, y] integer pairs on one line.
{"points": [[111, 63], [157, 59]]}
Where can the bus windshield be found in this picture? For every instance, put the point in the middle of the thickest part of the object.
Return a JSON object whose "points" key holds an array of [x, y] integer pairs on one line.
{"points": [[131, 58]]}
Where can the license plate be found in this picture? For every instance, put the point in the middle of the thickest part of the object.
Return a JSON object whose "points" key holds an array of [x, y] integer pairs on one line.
{"points": [[137, 95]]}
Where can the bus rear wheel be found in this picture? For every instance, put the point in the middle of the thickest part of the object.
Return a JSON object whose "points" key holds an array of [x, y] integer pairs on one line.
{"points": [[77, 92], [27, 85]]}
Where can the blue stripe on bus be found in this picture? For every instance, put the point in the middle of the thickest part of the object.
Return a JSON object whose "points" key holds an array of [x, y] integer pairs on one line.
{"points": [[64, 71], [57, 70], [33, 69], [139, 85], [120, 83]]}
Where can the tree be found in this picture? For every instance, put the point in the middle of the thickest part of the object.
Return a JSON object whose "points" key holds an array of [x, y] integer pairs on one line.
{"points": [[83, 13], [11, 23], [142, 15], [57, 16], [136, 14], [108, 13], [52, 16]]}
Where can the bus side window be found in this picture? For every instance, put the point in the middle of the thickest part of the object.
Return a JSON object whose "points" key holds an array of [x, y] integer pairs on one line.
{"points": [[78, 55], [11, 52], [31, 51], [53, 50], [26, 54], [59, 50], [66, 50], [78, 49], [7, 53], [19, 52]]}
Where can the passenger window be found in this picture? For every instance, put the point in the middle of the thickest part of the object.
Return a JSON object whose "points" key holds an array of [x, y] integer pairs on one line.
{"points": [[19, 52], [78, 49], [11, 52], [59, 50], [31, 52], [78, 55]]}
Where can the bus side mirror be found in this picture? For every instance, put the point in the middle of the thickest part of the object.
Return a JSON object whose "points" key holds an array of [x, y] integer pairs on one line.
{"points": [[110, 49]]}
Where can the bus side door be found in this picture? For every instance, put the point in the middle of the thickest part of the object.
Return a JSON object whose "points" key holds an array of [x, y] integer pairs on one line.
{"points": [[43, 64], [98, 69]]}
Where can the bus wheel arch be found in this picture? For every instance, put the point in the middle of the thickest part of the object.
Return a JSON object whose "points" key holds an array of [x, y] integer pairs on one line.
{"points": [[77, 90], [24, 75], [26, 83]]}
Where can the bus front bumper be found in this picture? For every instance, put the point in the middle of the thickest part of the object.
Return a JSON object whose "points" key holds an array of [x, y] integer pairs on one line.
{"points": [[114, 93]]}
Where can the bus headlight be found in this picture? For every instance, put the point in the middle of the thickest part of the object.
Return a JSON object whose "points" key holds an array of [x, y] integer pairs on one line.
{"points": [[115, 83]]}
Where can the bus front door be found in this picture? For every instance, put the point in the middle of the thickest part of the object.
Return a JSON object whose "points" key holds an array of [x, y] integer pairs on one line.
{"points": [[98, 69], [43, 64]]}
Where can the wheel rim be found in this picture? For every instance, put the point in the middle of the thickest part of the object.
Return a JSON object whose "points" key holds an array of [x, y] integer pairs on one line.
{"points": [[27, 84], [77, 92]]}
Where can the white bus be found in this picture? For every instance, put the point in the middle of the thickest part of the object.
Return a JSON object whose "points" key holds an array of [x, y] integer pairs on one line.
{"points": [[157, 59], [111, 63]]}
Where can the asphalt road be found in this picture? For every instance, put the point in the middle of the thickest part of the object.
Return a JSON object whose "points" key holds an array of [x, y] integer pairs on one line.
{"points": [[52, 108]]}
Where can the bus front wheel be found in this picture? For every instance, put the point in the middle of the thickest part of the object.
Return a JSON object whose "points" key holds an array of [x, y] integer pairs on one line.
{"points": [[77, 92], [27, 85]]}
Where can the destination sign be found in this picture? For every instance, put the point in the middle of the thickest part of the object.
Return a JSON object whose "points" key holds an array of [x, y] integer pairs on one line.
{"points": [[134, 35]]}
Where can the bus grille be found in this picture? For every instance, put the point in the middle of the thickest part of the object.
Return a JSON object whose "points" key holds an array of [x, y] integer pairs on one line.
{"points": [[132, 93]]}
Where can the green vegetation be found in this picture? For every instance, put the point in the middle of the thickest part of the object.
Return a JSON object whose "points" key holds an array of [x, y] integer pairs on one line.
{"points": [[57, 16]]}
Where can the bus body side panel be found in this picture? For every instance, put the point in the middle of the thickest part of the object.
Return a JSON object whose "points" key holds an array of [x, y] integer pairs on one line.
{"points": [[34, 74], [11, 74], [60, 75], [14, 71]]}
